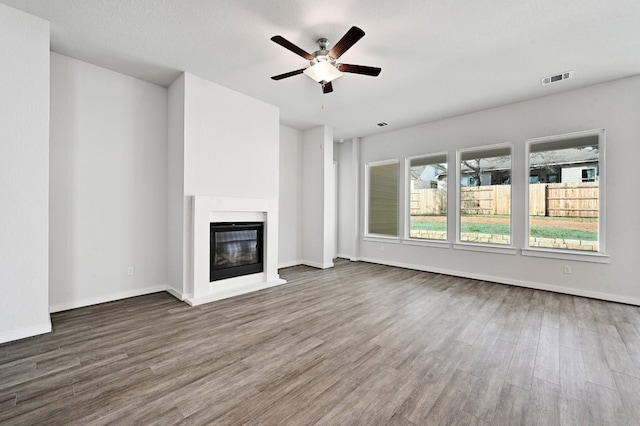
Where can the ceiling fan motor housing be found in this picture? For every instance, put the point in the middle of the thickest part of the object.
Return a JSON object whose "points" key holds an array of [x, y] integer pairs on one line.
{"points": [[322, 55], [323, 43]]}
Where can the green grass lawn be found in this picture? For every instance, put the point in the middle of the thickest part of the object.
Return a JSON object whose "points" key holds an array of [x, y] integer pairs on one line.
{"points": [[503, 229], [428, 226], [567, 234], [485, 228], [466, 227]]}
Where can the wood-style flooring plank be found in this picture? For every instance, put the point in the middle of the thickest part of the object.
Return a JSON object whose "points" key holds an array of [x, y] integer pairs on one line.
{"points": [[485, 395], [447, 407], [475, 359], [523, 362], [547, 364], [574, 404], [609, 409], [544, 404], [512, 406], [629, 389], [357, 344], [595, 362]]}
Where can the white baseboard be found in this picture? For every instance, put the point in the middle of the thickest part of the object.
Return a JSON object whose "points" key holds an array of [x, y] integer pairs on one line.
{"points": [[288, 264], [317, 264], [73, 304], [311, 263], [519, 283], [175, 293], [347, 257], [23, 333], [225, 293]]}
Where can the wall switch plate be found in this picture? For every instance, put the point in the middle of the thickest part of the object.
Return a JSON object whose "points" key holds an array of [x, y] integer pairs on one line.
{"points": [[130, 270], [566, 269]]}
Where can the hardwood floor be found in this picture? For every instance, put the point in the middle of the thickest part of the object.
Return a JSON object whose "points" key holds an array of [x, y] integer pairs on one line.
{"points": [[357, 344]]}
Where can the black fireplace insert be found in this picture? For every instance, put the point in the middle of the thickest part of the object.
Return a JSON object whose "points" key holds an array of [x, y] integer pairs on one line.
{"points": [[236, 249]]}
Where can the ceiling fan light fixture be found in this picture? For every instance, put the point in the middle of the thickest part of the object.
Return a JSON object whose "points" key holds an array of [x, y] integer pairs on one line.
{"points": [[323, 67], [323, 71]]}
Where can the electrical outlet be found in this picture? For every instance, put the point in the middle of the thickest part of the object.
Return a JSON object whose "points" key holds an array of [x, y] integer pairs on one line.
{"points": [[566, 269], [130, 270]]}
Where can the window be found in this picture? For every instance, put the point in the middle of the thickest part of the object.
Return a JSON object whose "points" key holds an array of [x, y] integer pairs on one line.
{"points": [[428, 197], [485, 195], [564, 210], [589, 174], [382, 203]]}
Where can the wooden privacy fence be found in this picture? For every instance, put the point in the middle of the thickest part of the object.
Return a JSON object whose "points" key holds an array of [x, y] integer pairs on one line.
{"points": [[429, 201], [490, 199], [564, 199], [545, 199]]}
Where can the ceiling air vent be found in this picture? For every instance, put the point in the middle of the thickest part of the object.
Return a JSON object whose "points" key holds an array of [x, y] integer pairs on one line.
{"points": [[557, 77]]}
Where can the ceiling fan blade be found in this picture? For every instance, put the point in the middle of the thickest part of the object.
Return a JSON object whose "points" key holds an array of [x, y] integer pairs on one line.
{"points": [[345, 43], [360, 69], [327, 88], [288, 74], [292, 47]]}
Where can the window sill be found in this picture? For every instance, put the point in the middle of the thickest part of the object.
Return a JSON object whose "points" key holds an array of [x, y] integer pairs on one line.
{"points": [[381, 239], [486, 248], [427, 243], [567, 255]]}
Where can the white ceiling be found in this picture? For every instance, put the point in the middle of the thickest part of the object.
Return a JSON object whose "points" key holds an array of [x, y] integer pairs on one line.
{"points": [[439, 58]]}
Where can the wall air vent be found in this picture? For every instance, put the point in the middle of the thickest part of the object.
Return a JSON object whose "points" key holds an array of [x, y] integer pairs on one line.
{"points": [[556, 77]]}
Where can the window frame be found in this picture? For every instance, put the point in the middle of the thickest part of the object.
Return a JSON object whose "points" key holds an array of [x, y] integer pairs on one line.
{"points": [[407, 204], [586, 256], [367, 185], [509, 249]]}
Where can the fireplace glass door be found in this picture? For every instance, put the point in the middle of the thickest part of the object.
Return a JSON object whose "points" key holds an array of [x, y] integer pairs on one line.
{"points": [[236, 249]]}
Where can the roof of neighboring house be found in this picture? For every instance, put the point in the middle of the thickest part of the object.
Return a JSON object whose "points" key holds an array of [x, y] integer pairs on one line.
{"points": [[565, 157]]}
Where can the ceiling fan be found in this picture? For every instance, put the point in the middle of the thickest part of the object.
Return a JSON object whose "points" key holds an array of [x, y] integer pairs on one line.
{"points": [[323, 67]]}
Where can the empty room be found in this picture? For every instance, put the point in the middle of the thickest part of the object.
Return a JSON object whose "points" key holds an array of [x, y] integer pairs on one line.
{"points": [[326, 212]]}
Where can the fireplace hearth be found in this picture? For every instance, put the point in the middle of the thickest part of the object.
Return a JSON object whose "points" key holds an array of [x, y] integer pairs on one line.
{"points": [[236, 249]]}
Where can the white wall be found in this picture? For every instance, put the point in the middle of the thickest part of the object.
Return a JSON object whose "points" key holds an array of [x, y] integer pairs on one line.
{"points": [[230, 148], [318, 198], [108, 185], [24, 175], [329, 242], [290, 196], [614, 106], [231, 142], [175, 189], [348, 208]]}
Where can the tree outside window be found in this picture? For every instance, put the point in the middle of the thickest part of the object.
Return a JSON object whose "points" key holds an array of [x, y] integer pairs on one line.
{"points": [[564, 204], [485, 195], [428, 197]]}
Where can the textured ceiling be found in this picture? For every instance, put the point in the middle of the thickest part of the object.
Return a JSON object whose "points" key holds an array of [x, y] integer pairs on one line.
{"points": [[438, 58]]}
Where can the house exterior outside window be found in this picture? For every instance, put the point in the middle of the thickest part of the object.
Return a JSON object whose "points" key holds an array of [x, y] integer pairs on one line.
{"points": [[565, 214], [484, 195]]}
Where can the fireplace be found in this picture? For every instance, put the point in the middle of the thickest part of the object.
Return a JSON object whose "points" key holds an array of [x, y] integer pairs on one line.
{"points": [[236, 249], [230, 212]]}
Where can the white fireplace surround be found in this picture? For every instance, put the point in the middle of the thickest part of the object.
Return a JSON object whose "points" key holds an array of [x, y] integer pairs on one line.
{"points": [[209, 209]]}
